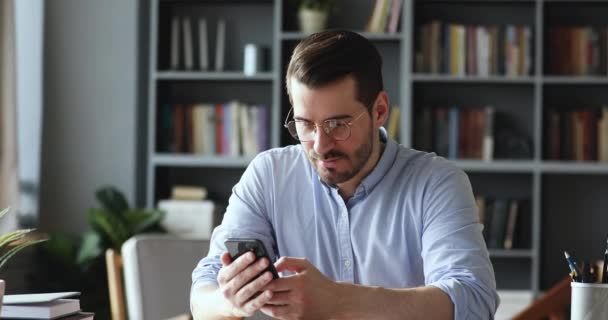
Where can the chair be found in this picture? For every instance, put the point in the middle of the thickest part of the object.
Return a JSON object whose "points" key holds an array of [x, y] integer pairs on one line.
{"points": [[552, 305], [115, 285], [157, 277]]}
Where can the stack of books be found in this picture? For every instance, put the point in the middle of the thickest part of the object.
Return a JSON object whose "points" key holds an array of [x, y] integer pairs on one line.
{"points": [[57, 305]]}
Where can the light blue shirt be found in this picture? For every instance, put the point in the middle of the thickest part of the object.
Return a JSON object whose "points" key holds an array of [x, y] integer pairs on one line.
{"points": [[411, 222]]}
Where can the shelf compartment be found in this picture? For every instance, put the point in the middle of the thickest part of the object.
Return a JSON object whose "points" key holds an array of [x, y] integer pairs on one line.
{"points": [[571, 14], [246, 22], [218, 181], [512, 273], [199, 91], [500, 14], [513, 106], [574, 219], [349, 15]]}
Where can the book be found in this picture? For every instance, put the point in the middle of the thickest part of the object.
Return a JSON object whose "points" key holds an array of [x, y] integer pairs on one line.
{"points": [[395, 14], [487, 147], [188, 48], [52, 309], [79, 316], [188, 193], [393, 122], [203, 44], [511, 224], [498, 224], [220, 45], [37, 297], [175, 43]]}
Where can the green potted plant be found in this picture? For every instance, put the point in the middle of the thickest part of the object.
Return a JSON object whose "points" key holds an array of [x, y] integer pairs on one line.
{"points": [[313, 14], [11, 243]]}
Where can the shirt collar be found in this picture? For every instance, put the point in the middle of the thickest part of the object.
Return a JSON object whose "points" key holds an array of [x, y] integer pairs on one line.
{"points": [[384, 164]]}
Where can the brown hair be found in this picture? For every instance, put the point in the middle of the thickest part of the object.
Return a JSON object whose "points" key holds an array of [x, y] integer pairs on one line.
{"points": [[328, 56]]}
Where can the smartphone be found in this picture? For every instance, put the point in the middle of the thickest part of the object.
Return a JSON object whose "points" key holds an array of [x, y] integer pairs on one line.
{"points": [[238, 247]]}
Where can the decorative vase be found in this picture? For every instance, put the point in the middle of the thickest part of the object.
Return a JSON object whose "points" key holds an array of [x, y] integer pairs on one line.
{"points": [[1, 293], [311, 20]]}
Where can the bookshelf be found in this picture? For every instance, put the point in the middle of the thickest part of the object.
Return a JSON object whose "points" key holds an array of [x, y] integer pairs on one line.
{"points": [[563, 199]]}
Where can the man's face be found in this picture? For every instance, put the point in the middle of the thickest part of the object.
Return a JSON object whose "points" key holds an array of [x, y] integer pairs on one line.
{"points": [[334, 161]]}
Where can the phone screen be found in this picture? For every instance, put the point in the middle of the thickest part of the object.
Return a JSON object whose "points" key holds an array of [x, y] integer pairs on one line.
{"points": [[238, 247]]}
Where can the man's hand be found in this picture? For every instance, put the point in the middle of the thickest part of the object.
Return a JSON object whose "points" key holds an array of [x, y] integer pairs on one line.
{"points": [[306, 295], [239, 285]]}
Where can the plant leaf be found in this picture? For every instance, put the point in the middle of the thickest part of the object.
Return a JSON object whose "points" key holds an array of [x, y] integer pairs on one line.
{"points": [[61, 246], [90, 248], [6, 256], [4, 212], [112, 200], [110, 226], [140, 220], [13, 236]]}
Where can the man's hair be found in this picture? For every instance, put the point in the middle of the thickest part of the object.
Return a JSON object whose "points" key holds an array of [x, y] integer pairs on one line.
{"points": [[328, 56]]}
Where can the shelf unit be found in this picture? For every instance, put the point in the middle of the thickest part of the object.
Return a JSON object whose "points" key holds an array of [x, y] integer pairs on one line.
{"points": [[558, 191]]}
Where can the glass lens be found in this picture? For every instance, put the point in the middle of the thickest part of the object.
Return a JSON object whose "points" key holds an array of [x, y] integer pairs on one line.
{"points": [[338, 129], [305, 130]]}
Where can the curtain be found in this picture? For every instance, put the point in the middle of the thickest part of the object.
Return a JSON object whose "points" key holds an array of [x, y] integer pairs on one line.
{"points": [[8, 117]]}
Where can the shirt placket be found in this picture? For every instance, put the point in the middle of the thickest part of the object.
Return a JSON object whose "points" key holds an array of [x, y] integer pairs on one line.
{"points": [[346, 252]]}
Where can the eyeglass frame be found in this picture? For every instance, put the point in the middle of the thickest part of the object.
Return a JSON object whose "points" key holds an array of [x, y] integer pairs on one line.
{"points": [[348, 123]]}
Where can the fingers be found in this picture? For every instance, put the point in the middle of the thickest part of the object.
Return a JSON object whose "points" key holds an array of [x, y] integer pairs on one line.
{"points": [[291, 264], [279, 298], [253, 287], [257, 303], [281, 284], [237, 266], [240, 289], [276, 311], [225, 259]]}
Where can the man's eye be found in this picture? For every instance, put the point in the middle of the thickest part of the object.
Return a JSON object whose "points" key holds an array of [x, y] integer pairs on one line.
{"points": [[306, 125]]}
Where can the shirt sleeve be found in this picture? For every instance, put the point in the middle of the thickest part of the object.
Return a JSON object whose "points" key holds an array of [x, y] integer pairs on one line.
{"points": [[245, 217], [455, 256]]}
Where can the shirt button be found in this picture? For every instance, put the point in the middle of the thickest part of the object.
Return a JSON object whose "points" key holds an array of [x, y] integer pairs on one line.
{"points": [[347, 263]]}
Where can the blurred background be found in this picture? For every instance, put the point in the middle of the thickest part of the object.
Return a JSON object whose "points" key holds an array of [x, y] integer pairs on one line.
{"points": [[113, 109]]}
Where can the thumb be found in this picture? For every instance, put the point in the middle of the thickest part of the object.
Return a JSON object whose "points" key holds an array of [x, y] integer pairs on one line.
{"points": [[297, 265]]}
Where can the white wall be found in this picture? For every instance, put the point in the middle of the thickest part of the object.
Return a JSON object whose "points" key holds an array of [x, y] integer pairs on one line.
{"points": [[89, 132]]}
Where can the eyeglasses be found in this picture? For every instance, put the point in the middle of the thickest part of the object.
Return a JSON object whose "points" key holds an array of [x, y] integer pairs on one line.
{"points": [[304, 130]]}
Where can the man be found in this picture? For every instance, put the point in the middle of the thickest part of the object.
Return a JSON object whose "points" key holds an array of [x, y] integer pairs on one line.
{"points": [[365, 228]]}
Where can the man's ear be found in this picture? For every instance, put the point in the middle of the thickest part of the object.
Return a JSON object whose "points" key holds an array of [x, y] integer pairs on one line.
{"points": [[381, 109]]}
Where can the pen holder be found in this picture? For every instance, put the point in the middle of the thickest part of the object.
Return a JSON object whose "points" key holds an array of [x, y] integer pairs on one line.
{"points": [[589, 301]]}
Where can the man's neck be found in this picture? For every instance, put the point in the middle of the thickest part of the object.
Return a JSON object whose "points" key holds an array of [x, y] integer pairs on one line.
{"points": [[347, 189]]}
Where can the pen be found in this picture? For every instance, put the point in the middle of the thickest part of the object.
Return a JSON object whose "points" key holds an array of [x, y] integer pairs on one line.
{"points": [[575, 273], [588, 273], [605, 268]]}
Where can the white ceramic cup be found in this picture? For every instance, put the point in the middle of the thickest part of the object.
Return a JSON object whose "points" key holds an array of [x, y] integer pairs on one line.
{"points": [[589, 301]]}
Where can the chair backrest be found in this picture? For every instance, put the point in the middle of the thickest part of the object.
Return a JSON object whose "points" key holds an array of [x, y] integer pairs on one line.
{"points": [[157, 270], [157, 276], [115, 284]]}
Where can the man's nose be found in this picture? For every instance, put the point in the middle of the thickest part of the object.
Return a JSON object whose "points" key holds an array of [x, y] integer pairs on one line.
{"points": [[323, 141]]}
